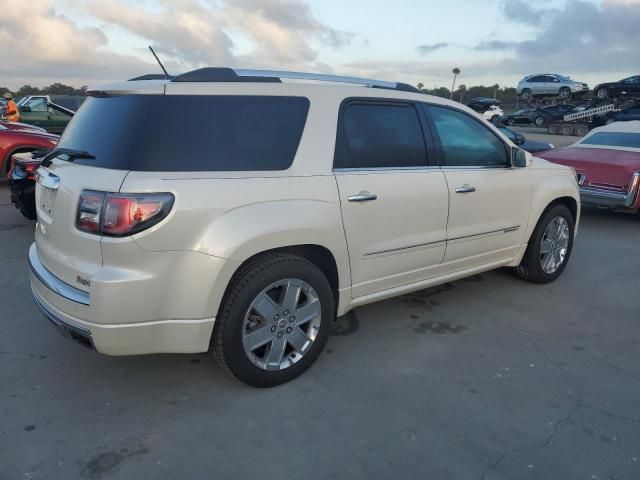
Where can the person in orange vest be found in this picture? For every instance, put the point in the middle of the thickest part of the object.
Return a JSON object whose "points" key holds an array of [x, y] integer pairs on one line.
{"points": [[12, 113]]}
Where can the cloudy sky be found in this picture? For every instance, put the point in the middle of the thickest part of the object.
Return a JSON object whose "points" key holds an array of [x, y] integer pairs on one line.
{"points": [[492, 41]]}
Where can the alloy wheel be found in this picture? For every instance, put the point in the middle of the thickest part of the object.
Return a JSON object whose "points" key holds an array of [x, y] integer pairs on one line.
{"points": [[281, 324], [554, 245]]}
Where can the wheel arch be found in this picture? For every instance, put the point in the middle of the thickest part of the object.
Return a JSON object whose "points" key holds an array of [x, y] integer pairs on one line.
{"points": [[549, 191], [318, 255], [4, 166], [539, 207]]}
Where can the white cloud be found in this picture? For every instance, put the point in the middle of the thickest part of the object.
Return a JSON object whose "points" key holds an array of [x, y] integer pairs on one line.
{"points": [[187, 33]]}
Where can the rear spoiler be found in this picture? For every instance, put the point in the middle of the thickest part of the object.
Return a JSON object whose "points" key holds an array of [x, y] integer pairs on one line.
{"points": [[61, 109]]}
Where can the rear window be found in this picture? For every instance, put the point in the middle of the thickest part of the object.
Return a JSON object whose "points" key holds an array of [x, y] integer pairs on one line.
{"points": [[614, 139], [70, 103], [188, 132]]}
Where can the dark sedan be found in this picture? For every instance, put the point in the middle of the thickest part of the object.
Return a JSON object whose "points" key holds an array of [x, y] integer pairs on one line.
{"points": [[626, 115], [626, 87], [520, 140], [521, 117], [541, 117]]}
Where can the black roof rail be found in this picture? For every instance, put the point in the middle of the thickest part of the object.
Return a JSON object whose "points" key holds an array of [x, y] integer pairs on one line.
{"points": [[219, 74], [150, 76], [222, 74]]}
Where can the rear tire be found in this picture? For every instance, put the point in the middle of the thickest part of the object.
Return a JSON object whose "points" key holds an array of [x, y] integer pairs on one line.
{"points": [[257, 362], [539, 121], [510, 122], [552, 129], [566, 130], [532, 267], [602, 93], [564, 93], [526, 94]]}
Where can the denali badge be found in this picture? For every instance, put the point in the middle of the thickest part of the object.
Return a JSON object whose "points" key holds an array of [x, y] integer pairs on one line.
{"points": [[83, 281]]}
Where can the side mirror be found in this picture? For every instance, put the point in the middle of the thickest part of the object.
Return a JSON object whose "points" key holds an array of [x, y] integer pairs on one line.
{"points": [[25, 109], [518, 157]]}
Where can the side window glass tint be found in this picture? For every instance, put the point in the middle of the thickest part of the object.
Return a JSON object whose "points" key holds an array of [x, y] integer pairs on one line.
{"points": [[465, 141], [378, 136]]}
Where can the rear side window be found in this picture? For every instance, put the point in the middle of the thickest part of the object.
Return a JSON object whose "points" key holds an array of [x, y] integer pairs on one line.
{"points": [[465, 141], [380, 136], [188, 132], [70, 103], [614, 139]]}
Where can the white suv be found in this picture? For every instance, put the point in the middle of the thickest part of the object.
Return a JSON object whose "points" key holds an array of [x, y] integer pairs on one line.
{"points": [[238, 211]]}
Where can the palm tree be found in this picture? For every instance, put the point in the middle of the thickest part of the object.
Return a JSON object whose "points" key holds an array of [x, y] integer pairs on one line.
{"points": [[456, 72], [420, 86]]}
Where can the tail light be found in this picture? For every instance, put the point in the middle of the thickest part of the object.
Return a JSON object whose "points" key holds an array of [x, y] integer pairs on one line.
{"points": [[30, 169], [22, 170], [120, 215]]}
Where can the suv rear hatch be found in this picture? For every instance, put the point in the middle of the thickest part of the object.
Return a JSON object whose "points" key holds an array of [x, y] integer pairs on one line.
{"points": [[100, 127], [71, 255]]}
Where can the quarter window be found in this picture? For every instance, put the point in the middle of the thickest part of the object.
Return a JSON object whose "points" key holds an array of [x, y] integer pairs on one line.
{"points": [[465, 141], [378, 136]]}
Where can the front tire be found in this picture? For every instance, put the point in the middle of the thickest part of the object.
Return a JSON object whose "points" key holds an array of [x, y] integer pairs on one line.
{"points": [[526, 94], [602, 93], [539, 121], [274, 320], [510, 122], [549, 247]]}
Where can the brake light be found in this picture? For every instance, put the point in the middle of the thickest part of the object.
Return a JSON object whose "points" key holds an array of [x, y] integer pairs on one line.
{"points": [[119, 215], [30, 169]]}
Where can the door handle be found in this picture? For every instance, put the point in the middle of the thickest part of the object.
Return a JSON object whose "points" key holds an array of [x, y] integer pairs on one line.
{"points": [[363, 197], [465, 189]]}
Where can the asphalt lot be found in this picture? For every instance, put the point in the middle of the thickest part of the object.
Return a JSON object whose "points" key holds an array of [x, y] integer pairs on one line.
{"points": [[486, 378]]}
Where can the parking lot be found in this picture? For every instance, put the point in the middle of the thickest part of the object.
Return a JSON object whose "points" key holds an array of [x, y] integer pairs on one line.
{"points": [[486, 378]]}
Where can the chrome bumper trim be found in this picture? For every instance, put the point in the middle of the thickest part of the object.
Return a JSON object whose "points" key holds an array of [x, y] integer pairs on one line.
{"points": [[607, 198], [80, 335], [52, 282]]}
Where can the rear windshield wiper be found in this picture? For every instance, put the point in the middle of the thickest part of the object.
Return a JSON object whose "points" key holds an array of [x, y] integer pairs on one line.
{"points": [[72, 153]]}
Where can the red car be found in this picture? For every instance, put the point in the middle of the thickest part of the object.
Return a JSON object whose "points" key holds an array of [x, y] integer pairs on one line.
{"points": [[607, 163], [17, 137]]}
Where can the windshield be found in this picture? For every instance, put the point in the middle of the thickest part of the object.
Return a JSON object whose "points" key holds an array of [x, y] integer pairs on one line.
{"points": [[188, 132], [614, 139]]}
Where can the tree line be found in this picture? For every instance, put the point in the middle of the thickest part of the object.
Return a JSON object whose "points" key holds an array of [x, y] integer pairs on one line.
{"points": [[53, 89], [464, 94]]}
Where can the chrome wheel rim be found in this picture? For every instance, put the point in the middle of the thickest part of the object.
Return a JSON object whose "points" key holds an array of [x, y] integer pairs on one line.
{"points": [[554, 245], [564, 93], [281, 324], [539, 121], [602, 93]]}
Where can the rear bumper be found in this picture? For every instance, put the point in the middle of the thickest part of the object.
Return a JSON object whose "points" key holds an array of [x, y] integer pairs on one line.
{"points": [[612, 199], [161, 336]]}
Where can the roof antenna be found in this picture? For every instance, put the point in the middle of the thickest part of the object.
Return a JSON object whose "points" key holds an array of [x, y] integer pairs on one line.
{"points": [[160, 63]]}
